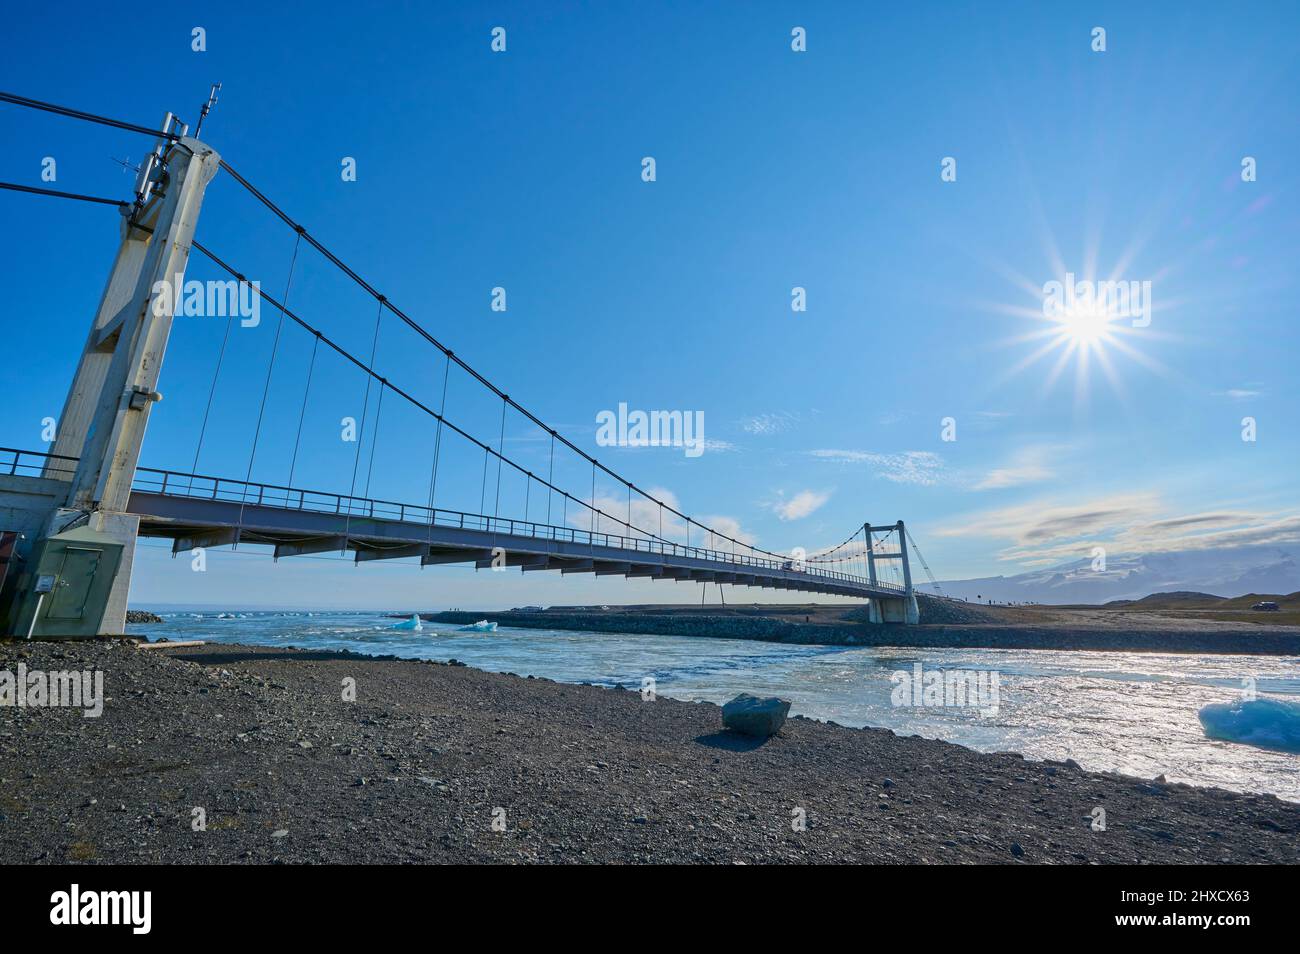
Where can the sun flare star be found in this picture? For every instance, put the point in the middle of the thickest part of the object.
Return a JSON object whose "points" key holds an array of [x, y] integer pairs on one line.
{"points": [[1085, 321]]}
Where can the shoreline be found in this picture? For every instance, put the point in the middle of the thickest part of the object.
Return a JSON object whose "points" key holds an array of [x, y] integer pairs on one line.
{"points": [[414, 769], [1205, 639]]}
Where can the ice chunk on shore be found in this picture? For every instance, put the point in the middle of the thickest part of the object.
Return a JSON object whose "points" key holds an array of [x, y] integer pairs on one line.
{"points": [[1264, 723], [413, 624]]}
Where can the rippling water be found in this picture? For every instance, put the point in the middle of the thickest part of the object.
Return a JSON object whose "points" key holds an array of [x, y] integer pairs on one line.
{"points": [[1129, 712]]}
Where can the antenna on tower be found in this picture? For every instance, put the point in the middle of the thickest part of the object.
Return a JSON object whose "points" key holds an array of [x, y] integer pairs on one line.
{"points": [[207, 107]]}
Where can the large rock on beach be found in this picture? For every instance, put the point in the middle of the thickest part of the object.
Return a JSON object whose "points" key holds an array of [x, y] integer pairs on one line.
{"points": [[752, 715]]}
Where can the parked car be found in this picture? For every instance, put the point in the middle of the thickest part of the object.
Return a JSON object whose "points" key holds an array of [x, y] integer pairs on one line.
{"points": [[1267, 606]]}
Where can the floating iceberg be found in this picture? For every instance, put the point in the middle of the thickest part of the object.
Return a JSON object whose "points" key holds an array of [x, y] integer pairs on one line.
{"points": [[1264, 723], [413, 624], [482, 626]]}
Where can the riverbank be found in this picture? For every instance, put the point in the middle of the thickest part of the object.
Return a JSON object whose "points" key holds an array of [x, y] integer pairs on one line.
{"points": [[415, 768], [1011, 628]]}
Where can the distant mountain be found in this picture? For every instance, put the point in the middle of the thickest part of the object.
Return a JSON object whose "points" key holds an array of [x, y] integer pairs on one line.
{"points": [[1181, 600], [1196, 573], [1181, 596]]}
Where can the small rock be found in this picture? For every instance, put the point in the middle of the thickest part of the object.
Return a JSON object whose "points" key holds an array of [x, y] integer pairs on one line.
{"points": [[1017, 850], [279, 833]]}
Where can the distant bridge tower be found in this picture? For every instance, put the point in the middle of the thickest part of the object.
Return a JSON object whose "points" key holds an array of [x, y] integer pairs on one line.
{"points": [[891, 609], [78, 541]]}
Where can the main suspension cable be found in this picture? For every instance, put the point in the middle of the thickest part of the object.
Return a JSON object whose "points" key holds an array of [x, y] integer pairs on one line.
{"points": [[34, 190], [170, 136], [428, 337], [29, 103]]}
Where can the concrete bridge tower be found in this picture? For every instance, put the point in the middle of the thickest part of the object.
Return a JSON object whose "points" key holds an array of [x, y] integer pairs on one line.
{"points": [[890, 609], [70, 565]]}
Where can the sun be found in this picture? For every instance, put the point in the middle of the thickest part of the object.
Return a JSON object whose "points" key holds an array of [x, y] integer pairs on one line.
{"points": [[1085, 324], [1085, 327]]}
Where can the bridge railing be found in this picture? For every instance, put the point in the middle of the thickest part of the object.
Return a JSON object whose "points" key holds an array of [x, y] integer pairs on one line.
{"points": [[14, 461], [27, 463], [180, 484]]}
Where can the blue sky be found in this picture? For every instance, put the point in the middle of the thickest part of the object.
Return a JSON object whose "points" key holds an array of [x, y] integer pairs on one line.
{"points": [[775, 169]]}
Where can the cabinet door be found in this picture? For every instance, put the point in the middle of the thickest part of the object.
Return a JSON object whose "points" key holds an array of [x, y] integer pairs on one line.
{"points": [[76, 575]]}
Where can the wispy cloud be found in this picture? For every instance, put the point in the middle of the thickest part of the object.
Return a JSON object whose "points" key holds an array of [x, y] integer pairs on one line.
{"points": [[1239, 394], [1043, 532], [927, 469], [803, 504], [908, 467], [1206, 531], [1042, 521], [771, 423], [984, 421], [1027, 466]]}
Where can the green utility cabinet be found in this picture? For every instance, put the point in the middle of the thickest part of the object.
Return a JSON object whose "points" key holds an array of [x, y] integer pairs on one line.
{"points": [[73, 577]]}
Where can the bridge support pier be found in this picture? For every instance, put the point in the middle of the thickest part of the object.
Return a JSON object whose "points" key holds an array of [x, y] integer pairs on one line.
{"points": [[894, 609], [74, 572]]}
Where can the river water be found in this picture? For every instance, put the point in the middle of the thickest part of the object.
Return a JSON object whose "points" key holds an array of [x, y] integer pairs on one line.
{"points": [[1129, 712]]}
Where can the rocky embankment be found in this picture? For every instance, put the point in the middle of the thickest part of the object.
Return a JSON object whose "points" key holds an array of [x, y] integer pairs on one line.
{"points": [[1227, 639], [142, 616], [238, 754]]}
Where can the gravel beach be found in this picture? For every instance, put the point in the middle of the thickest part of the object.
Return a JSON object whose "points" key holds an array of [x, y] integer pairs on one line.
{"points": [[431, 759]]}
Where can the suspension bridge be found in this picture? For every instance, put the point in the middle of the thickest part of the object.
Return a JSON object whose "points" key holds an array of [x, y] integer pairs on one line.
{"points": [[70, 515]]}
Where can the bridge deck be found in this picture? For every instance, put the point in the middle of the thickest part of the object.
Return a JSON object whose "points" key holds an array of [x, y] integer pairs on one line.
{"points": [[209, 511]]}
